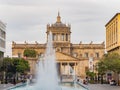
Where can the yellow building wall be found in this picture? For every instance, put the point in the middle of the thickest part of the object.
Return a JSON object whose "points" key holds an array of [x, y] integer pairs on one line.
{"points": [[113, 34]]}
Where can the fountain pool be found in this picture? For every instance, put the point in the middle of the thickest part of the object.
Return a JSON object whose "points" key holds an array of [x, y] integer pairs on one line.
{"points": [[62, 86]]}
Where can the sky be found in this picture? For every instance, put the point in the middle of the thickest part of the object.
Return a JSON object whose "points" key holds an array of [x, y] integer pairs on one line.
{"points": [[26, 20]]}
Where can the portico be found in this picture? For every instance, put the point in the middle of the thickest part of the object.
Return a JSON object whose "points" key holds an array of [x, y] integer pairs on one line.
{"points": [[66, 65]]}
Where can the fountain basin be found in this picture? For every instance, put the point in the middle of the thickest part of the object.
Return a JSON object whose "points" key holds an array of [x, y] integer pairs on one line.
{"points": [[62, 86]]}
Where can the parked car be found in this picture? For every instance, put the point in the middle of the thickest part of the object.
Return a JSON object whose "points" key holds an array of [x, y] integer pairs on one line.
{"points": [[113, 82]]}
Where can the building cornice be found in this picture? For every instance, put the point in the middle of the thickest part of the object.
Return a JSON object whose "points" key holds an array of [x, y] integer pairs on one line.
{"points": [[112, 18]]}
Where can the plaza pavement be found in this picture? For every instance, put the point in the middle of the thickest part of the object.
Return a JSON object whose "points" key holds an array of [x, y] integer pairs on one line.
{"points": [[5, 86], [102, 87], [90, 86]]}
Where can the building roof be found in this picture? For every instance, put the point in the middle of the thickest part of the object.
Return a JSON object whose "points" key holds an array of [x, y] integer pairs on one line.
{"points": [[58, 22], [112, 18]]}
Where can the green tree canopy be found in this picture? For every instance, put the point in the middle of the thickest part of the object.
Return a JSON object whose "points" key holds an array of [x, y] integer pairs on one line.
{"points": [[101, 67], [10, 67], [14, 65], [30, 53], [109, 62], [6, 64], [21, 65], [90, 74]]}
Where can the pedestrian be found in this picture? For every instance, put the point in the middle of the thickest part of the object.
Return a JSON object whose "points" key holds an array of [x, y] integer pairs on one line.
{"points": [[84, 81], [14, 81]]}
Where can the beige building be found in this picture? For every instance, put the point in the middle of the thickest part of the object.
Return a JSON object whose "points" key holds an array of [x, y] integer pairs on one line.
{"points": [[113, 34], [78, 56], [113, 37]]}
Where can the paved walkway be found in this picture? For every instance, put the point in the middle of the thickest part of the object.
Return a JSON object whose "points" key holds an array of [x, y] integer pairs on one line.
{"points": [[102, 87], [90, 86], [5, 86]]}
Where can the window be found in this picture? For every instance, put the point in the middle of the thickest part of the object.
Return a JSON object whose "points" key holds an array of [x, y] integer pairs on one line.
{"points": [[97, 55], [66, 37], [19, 55], [80, 55], [62, 37], [41, 54], [54, 37], [86, 69], [2, 43], [58, 49], [86, 55], [75, 54]]}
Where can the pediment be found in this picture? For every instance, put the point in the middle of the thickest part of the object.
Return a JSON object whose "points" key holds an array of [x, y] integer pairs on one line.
{"points": [[65, 57]]}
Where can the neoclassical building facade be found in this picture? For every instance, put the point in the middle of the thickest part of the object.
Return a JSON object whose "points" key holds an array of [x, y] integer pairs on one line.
{"points": [[77, 56]]}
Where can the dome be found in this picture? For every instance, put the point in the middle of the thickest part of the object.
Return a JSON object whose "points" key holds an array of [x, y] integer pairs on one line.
{"points": [[58, 24]]}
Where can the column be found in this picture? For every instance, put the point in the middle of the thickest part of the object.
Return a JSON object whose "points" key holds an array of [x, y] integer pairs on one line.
{"points": [[61, 37], [61, 68], [58, 37], [64, 37], [110, 36], [75, 68], [64, 68], [113, 33], [69, 37], [68, 68], [106, 37]]}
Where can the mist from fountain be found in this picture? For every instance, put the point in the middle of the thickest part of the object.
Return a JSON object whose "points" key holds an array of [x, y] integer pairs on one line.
{"points": [[47, 78], [73, 75]]}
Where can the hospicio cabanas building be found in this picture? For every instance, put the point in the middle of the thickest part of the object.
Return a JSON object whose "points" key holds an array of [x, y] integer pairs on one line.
{"points": [[78, 56]]}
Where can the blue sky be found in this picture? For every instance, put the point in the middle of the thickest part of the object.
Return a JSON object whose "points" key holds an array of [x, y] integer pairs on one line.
{"points": [[27, 19]]}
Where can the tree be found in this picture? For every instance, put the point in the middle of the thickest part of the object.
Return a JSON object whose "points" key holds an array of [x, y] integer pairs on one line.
{"points": [[90, 74], [30, 53], [110, 62], [102, 69], [21, 66], [5, 67], [12, 66]]}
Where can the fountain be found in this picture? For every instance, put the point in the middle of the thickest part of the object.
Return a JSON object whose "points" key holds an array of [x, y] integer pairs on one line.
{"points": [[73, 75], [46, 72], [47, 78]]}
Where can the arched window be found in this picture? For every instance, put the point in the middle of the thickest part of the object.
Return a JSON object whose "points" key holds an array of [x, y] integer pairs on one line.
{"points": [[58, 49]]}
